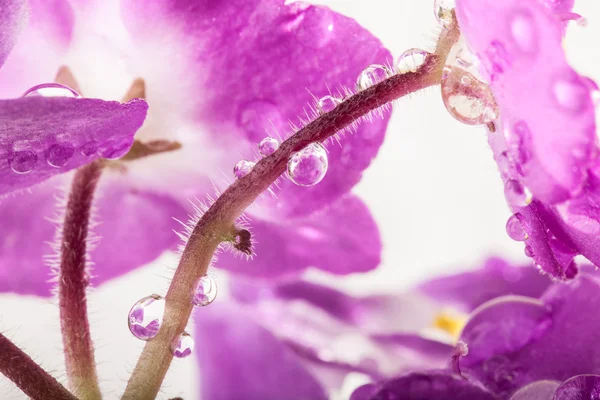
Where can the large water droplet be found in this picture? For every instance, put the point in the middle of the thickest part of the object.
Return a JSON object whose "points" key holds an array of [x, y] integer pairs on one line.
{"points": [[468, 100], [206, 292], [51, 90], [268, 146], [182, 346], [259, 116], [372, 75], [308, 166], [516, 194], [442, 9], [411, 60], [327, 104], [243, 168], [524, 32], [89, 148], [515, 229], [316, 28], [23, 161], [571, 95], [58, 155], [145, 317]]}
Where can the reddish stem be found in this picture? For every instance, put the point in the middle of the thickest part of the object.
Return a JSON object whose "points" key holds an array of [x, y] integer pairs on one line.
{"points": [[73, 281], [28, 375]]}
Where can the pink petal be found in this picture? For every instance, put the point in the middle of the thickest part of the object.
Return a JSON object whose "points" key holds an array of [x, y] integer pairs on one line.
{"points": [[13, 19]]}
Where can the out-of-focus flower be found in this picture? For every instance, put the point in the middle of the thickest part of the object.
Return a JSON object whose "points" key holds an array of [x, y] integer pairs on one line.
{"points": [[545, 141], [219, 77]]}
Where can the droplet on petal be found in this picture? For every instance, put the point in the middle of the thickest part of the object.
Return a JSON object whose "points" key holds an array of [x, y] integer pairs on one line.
{"points": [[372, 75], [257, 117], [524, 32], [116, 150], [411, 60], [182, 346], [442, 9], [206, 292], [468, 100], [308, 166], [242, 168], [497, 60], [89, 148], [515, 229], [22, 161], [328, 103], [268, 146], [516, 194], [572, 96], [58, 155], [528, 251], [145, 317], [51, 90], [316, 29], [503, 164]]}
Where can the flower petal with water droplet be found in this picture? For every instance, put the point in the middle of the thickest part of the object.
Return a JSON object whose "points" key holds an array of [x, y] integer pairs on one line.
{"points": [[35, 129]]}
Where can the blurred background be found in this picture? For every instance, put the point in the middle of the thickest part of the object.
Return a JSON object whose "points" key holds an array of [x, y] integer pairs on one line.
{"points": [[433, 189]]}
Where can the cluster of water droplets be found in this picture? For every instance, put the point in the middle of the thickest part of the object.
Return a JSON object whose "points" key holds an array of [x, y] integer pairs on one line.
{"points": [[146, 316]]}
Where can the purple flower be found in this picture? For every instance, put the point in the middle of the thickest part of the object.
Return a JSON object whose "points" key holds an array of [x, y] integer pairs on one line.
{"points": [[544, 142], [219, 77]]}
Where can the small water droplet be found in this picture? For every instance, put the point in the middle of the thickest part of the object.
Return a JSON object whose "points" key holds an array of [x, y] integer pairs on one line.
{"points": [[316, 28], [372, 75], [242, 168], [182, 346], [516, 194], [58, 155], [89, 148], [523, 32], [466, 98], [327, 104], [206, 292], [528, 251], [571, 95], [308, 166], [114, 150], [50, 90], [442, 9], [503, 164], [145, 317], [23, 161], [268, 146], [497, 60], [411, 60], [259, 116], [515, 229]]}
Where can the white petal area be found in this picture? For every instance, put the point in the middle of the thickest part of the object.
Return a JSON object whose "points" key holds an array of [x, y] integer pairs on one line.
{"points": [[33, 324]]}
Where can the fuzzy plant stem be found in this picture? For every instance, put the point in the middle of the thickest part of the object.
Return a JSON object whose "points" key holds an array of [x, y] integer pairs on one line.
{"points": [[28, 375], [72, 284], [219, 219]]}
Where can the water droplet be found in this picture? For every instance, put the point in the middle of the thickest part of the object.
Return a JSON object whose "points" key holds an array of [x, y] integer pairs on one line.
{"points": [[570, 94], [519, 141], [328, 103], [23, 161], [206, 292], [89, 148], [468, 100], [316, 28], [372, 75], [115, 150], [515, 229], [516, 194], [411, 60], [442, 9], [267, 146], [528, 251], [497, 60], [308, 166], [242, 168], [58, 155], [145, 317], [51, 90], [182, 346], [503, 164], [259, 116], [524, 32]]}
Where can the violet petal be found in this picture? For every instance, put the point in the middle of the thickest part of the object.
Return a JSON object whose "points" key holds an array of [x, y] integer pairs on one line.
{"points": [[13, 19]]}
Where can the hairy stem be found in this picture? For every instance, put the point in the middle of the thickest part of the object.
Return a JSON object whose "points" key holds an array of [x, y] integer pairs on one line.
{"points": [[28, 375], [73, 282], [219, 219]]}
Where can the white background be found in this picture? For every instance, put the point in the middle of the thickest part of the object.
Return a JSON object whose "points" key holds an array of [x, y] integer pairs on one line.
{"points": [[434, 191]]}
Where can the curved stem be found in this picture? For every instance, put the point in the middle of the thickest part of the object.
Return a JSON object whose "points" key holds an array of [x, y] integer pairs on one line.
{"points": [[32, 379], [73, 282], [219, 219]]}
